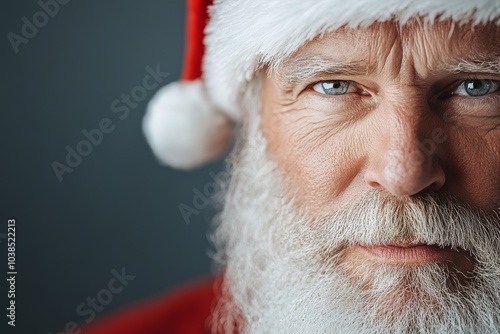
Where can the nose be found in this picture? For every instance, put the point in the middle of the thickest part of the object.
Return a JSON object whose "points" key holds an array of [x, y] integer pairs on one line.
{"points": [[405, 158]]}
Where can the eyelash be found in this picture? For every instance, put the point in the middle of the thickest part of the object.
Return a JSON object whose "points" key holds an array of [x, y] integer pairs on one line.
{"points": [[352, 84], [448, 92]]}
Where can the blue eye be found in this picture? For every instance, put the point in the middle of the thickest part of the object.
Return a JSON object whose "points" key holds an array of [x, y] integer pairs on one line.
{"points": [[476, 87], [335, 87]]}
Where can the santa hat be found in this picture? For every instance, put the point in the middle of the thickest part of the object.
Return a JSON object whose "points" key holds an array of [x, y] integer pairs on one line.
{"points": [[188, 123]]}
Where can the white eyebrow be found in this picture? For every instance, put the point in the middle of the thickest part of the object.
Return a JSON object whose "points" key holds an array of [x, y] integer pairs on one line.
{"points": [[475, 66], [303, 67]]}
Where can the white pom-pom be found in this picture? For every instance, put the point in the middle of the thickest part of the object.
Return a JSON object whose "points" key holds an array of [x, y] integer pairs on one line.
{"points": [[183, 128]]}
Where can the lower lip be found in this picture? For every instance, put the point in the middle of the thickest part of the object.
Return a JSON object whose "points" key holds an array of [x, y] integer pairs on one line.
{"points": [[408, 254]]}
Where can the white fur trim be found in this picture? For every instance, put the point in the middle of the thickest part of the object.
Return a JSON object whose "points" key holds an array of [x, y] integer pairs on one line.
{"points": [[245, 33], [183, 128]]}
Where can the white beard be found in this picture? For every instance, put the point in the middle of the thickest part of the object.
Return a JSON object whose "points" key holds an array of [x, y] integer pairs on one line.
{"points": [[284, 273]]}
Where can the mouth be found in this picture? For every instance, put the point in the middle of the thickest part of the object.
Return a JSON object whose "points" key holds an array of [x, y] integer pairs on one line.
{"points": [[411, 254]]}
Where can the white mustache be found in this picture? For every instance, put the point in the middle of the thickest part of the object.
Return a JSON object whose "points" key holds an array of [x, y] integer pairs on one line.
{"points": [[433, 219]]}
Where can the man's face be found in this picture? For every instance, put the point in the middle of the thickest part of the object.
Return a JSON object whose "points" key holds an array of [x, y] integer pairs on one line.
{"points": [[366, 190], [404, 111]]}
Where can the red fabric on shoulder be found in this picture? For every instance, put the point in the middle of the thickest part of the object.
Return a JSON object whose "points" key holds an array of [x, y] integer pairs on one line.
{"points": [[185, 311]]}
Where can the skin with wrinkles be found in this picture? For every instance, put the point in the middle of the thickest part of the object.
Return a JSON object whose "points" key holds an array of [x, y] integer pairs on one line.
{"points": [[333, 147], [398, 129]]}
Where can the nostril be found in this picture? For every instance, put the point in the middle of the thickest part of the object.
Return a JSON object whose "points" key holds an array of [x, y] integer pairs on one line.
{"points": [[407, 181], [374, 184], [434, 186], [372, 180]]}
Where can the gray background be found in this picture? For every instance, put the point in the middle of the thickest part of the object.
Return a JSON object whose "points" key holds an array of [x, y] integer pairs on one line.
{"points": [[119, 207]]}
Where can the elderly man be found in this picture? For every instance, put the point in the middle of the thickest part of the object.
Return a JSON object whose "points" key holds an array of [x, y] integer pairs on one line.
{"points": [[365, 186]]}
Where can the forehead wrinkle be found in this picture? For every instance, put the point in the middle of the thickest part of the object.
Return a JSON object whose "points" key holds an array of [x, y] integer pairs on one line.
{"points": [[454, 48], [422, 49]]}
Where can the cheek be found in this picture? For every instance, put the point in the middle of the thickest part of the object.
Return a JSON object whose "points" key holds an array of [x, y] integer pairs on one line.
{"points": [[474, 168], [319, 158]]}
